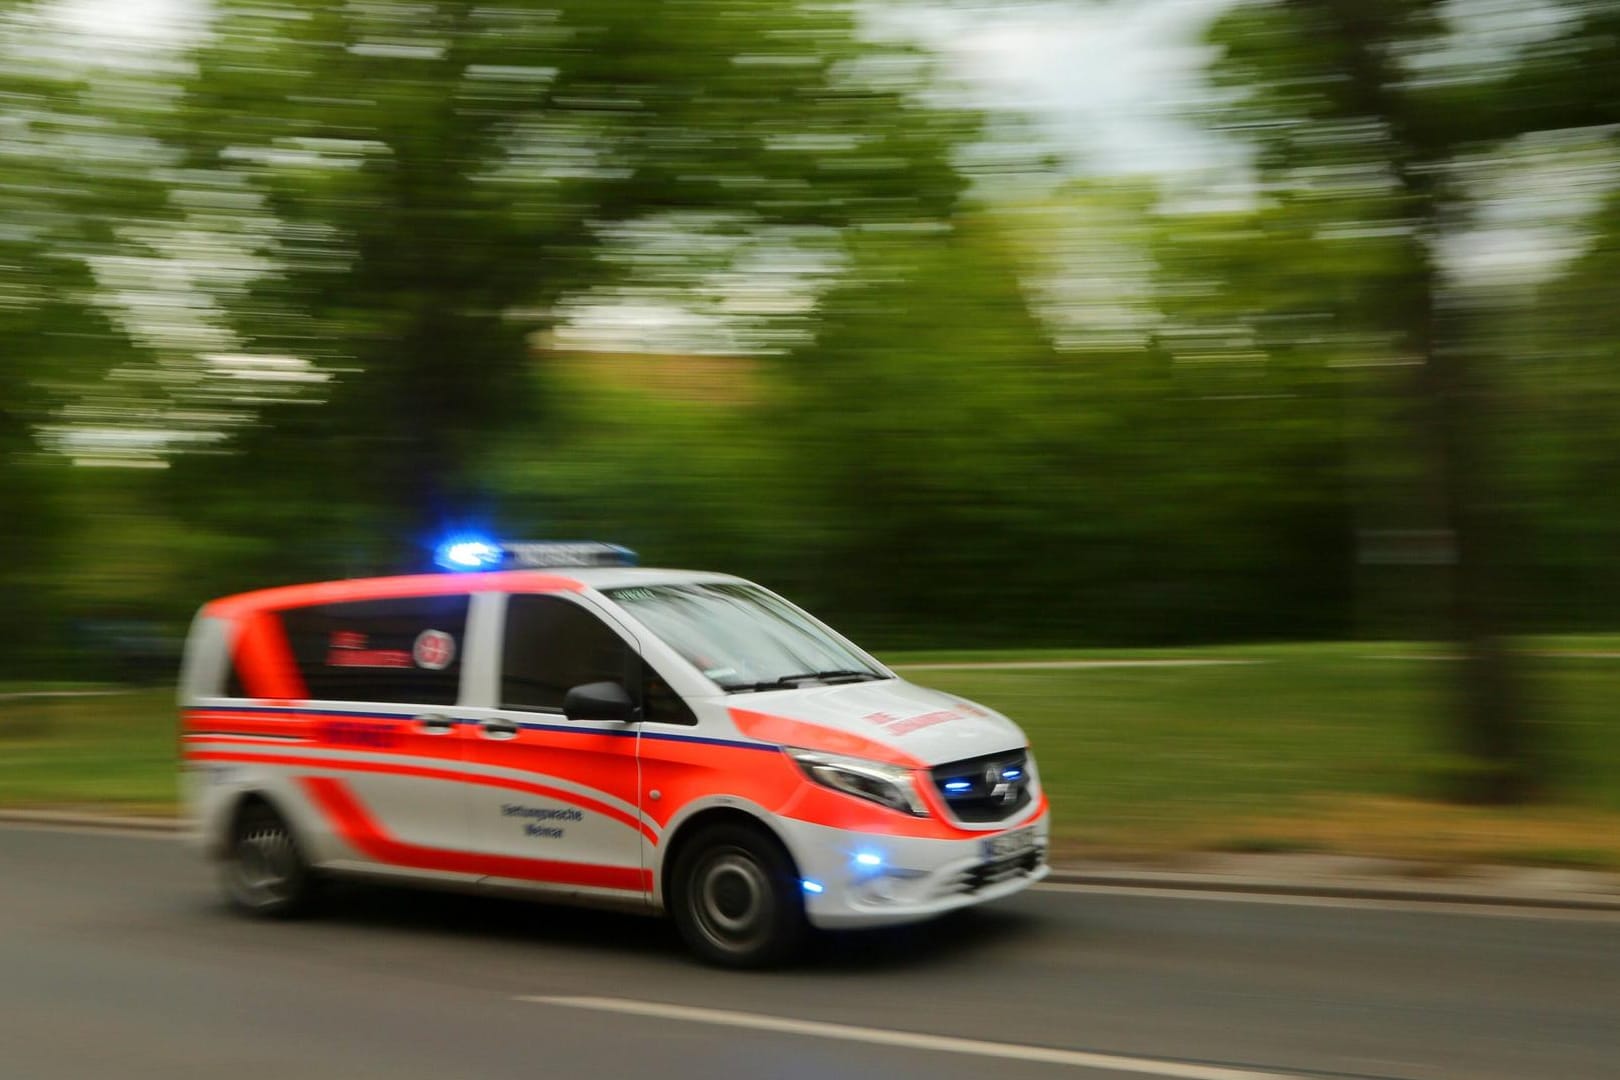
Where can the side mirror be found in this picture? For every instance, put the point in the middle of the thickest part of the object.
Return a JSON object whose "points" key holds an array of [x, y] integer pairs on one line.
{"points": [[606, 701]]}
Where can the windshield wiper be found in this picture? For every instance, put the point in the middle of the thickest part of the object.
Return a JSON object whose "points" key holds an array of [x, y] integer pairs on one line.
{"points": [[787, 682]]}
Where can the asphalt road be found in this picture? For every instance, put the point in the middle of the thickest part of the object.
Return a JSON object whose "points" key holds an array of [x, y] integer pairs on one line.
{"points": [[116, 960]]}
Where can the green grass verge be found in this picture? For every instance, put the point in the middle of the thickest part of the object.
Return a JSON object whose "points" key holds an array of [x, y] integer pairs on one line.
{"points": [[1331, 747], [1319, 749], [115, 751]]}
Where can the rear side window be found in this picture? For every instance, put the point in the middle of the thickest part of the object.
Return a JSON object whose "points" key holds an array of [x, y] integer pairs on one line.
{"points": [[406, 650], [552, 646]]}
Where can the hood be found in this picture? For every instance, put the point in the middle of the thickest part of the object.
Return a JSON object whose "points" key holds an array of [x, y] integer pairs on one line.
{"points": [[892, 720]]}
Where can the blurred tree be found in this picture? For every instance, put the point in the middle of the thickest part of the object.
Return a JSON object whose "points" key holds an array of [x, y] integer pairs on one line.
{"points": [[1088, 416], [1566, 345], [432, 178], [1562, 357], [74, 166], [1377, 115], [1255, 393], [923, 437]]}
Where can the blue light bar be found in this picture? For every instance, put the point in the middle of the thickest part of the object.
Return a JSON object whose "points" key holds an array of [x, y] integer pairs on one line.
{"points": [[958, 786], [812, 887], [539, 554], [468, 552], [868, 858], [1011, 774]]}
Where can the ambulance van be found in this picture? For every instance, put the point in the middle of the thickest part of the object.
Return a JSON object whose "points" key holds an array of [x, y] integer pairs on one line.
{"points": [[555, 720]]}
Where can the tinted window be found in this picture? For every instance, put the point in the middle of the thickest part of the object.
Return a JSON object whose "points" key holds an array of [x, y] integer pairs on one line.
{"points": [[234, 686], [553, 646], [659, 701], [406, 650]]}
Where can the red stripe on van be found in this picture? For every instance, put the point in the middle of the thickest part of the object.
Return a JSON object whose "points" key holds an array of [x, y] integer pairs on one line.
{"points": [[785, 732], [363, 832], [264, 660], [230, 722], [584, 802], [388, 588]]}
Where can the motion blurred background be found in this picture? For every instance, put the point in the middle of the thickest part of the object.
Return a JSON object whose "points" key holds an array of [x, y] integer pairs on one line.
{"points": [[1010, 326]]}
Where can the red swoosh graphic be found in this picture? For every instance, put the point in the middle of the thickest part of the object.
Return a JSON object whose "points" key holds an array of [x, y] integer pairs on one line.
{"points": [[584, 802], [365, 834]]}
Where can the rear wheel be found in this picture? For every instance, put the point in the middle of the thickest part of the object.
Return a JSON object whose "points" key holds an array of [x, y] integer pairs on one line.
{"points": [[736, 898], [264, 872]]}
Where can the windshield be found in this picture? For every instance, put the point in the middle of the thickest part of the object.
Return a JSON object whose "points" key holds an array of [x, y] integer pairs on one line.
{"points": [[743, 637]]}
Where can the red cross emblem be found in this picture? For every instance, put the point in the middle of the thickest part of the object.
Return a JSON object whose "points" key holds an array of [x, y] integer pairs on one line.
{"points": [[434, 650]]}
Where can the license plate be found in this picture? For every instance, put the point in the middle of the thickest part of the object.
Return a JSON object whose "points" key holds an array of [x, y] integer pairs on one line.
{"points": [[1008, 844]]}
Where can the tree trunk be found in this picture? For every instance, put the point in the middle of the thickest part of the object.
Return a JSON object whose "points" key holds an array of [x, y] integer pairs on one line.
{"points": [[1491, 731]]}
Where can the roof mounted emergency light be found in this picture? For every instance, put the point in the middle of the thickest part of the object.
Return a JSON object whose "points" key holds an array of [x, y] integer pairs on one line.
{"points": [[464, 554], [538, 554]]}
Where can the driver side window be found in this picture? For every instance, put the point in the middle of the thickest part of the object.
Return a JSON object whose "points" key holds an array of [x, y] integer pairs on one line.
{"points": [[552, 646], [660, 704]]}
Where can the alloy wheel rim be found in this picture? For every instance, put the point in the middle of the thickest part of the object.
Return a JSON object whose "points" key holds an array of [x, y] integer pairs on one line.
{"points": [[733, 895], [265, 863]]}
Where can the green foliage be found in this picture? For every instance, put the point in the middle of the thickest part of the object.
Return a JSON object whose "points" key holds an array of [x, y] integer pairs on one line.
{"points": [[452, 180], [1371, 127], [72, 166], [326, 255]]}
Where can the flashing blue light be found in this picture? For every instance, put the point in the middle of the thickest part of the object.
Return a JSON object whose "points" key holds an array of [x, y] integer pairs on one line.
{"points": [[1011, 774], [956, 787], [868, 859], [470, 551], [812, 887], [465, 553]]}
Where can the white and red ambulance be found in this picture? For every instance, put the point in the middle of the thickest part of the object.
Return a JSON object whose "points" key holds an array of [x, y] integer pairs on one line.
{"points": [[561, 722]]}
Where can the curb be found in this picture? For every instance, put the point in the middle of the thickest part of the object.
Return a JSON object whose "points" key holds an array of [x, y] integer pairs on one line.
{"points": [[70, 819], [1165, 881], [30, 695]]}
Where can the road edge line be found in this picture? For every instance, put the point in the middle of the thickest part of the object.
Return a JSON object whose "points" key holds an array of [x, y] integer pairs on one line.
{"points": [[77, 821]]}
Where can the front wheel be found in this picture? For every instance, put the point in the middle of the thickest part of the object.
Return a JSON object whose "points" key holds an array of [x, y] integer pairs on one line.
{"points": [[264, 872], [736, 898]]}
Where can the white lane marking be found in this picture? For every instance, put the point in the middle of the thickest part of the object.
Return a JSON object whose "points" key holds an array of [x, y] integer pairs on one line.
{"points": [[966, 665], [945, 1044], [1427, 907]]}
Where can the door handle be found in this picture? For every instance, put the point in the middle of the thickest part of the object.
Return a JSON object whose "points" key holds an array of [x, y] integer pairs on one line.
{"points": [[498, 729], [434, 724]]}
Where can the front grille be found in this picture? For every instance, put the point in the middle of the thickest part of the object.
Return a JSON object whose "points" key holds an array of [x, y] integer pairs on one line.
{"points": [[985, 874], [989, 788]]}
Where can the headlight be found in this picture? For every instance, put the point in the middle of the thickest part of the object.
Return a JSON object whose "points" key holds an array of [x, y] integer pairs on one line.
{"points": [[889, 785]]}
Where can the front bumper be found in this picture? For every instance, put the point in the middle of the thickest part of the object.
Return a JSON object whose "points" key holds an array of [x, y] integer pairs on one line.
{"points": [[868, 880]]}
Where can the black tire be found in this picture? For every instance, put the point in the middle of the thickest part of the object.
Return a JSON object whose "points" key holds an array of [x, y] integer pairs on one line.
{"points": [[264, 873], [736, 898]]}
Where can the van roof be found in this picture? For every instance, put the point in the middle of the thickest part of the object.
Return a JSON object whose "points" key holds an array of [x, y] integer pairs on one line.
{"points": [[574, 579]]}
